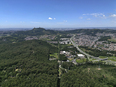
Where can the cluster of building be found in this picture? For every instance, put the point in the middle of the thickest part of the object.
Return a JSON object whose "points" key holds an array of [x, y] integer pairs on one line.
{"points": [[92, 41], [62, 41], [31, 38], [85, 40], [104, 45], [105, 34], [51, 37], [65, 41], [69, 55]]}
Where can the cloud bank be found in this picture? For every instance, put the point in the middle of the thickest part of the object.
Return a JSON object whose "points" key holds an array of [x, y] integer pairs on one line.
{"points": [[113, 15], [96, 15]]}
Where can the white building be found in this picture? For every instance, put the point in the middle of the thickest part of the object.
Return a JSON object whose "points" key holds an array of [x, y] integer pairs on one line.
{"points": [[80, 55]]}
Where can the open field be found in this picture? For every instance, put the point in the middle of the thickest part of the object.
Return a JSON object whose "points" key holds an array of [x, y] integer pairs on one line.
{"points": [[55, 55], [112, 58], [80, 60], [112, 40]]}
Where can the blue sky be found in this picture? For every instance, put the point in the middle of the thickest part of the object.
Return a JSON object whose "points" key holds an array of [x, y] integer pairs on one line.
{"points": [[57, 13]]}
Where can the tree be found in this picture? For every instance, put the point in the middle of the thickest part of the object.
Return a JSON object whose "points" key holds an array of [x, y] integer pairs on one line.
{"points": [[62, 58]]}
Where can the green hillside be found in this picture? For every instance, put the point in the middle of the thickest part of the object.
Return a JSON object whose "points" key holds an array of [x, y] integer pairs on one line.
{"points": [[88, 31], [19, 36], [90, 75], [34, 32], [26, 64]]}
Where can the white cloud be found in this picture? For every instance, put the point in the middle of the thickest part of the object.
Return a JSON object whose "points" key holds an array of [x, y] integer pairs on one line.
{"points": [[97, 15], [50, 18], [80, 17], [104, 16], [113, 15], [88, 19]]}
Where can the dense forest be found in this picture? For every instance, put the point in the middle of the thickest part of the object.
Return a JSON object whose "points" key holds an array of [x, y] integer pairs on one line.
{"points": [[89, 75], [26, 64], [34, 32]]}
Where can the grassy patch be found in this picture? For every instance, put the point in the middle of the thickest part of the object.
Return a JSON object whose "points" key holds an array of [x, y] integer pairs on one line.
{"points": [[80, 60], [112, 58], [60, 72], [112, 40], [55, 55]]}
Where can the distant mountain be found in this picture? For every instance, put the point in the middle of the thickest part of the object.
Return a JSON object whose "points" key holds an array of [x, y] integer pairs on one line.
{"points": [[18, 36], [88, 31], [34, 32]]}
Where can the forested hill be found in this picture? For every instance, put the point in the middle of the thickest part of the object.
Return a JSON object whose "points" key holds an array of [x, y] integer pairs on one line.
{"points": [[88, 31], [35, 32], [19, 36], [42, 31], [26, 64]]}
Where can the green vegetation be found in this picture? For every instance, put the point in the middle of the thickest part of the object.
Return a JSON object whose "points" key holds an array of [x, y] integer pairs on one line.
{"points": [[62, 58], [89, 75], [54, 55], [64, 36], [67, 65], [19, 36], [104, 38], [102, 56], [26, 64], [94, 52], [112, 40], [34, 32], [80, 60], [88, 31], [112, 58]]}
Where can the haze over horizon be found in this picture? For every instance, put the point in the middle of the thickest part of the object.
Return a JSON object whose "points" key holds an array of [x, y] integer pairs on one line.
{"points": [[57, 13]]}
